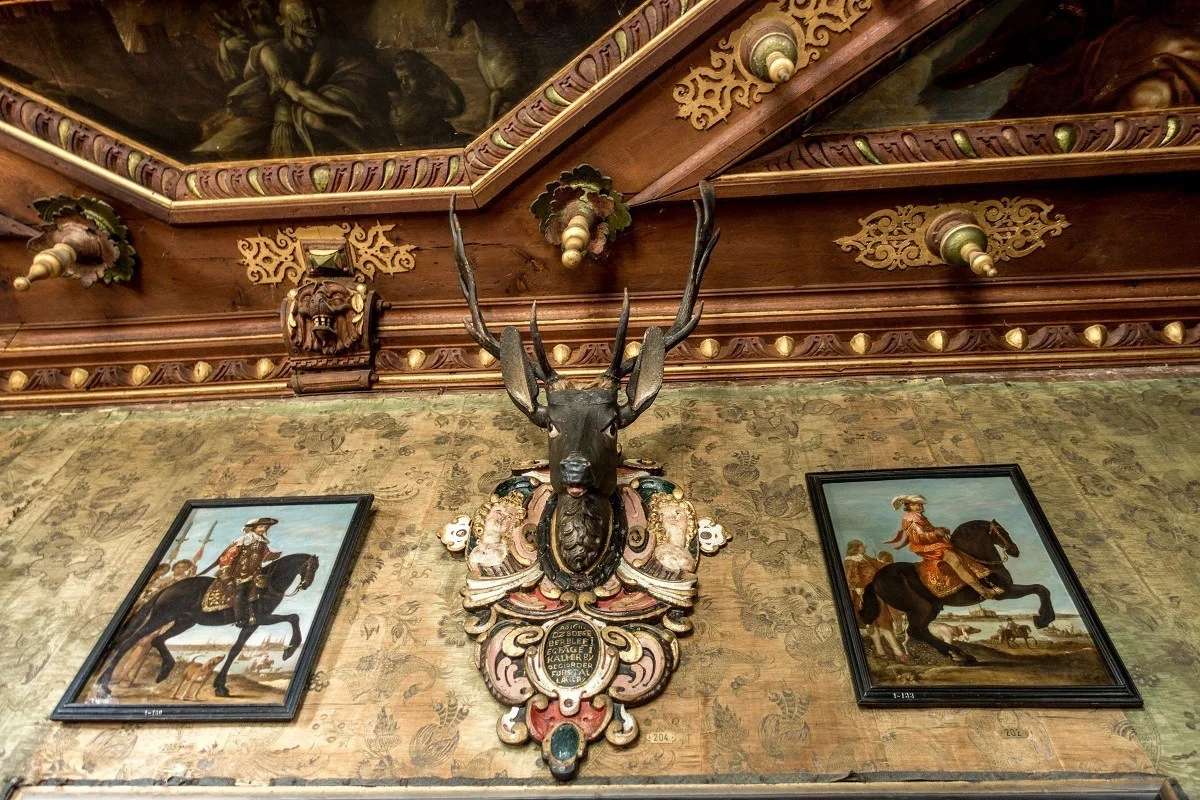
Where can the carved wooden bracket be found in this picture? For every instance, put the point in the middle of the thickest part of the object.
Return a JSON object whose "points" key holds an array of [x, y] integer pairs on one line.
{"points": [[581, 212], [970, 234], [749, 63], [329, 326], [80, 238], [343, 248]]}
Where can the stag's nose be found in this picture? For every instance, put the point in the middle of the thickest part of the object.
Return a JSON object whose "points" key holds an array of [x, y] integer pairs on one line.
{"points": [[576, 473]]}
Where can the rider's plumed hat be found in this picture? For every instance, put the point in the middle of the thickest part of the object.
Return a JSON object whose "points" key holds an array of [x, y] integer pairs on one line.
{"points": [[905, 499], [254, 523]]}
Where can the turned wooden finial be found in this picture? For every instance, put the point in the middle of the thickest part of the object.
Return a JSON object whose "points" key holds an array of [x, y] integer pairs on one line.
{"points": [[80, 238], [770, 51], [581, 213], [959, 239], [49, 263], [576, 238]]}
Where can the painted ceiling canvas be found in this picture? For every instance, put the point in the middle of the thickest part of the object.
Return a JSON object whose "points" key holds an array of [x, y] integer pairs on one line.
{"points": [[228, 80], [1039, 58]]}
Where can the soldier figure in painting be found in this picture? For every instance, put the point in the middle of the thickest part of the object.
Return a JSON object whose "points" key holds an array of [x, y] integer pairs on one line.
{"points": [[240, 570], [933, 545], [860, 570]]}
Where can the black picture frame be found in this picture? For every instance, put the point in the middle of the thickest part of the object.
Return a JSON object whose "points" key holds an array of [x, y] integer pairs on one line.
{"points": [[68, 709], [1122, 693]]}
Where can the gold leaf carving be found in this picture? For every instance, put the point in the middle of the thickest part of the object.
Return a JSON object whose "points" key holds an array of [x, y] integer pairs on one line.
{"points": [[270, 260], [894, 238], [273, 260], [374, 251], [708, 94]]}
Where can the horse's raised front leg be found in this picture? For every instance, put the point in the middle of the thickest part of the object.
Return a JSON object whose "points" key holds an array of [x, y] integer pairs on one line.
{"points": [[294, 621], [219, 681], [1045, 614]]}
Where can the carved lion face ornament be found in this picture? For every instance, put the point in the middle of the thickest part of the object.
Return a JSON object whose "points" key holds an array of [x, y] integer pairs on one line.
{"points": [[576, 614]]}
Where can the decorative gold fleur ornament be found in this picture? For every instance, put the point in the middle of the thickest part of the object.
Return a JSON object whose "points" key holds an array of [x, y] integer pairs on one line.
{"points": [[773, 45], [898, 238], [293, 252]]}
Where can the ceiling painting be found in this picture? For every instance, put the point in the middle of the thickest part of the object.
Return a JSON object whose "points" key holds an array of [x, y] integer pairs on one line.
{"points": [[235, 80], [1037, 58]]}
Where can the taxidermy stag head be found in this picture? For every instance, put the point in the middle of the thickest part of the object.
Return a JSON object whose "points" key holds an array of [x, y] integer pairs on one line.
{"points": [[583, 418]]}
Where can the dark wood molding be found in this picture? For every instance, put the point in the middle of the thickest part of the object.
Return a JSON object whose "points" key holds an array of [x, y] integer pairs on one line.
{"points": [[859, 786], [772, 334], [885, 29], [420, 181], [976, 152]]}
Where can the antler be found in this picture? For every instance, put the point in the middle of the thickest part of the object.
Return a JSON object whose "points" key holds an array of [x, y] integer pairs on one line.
{"points": [[685, 320], [475, 324]]}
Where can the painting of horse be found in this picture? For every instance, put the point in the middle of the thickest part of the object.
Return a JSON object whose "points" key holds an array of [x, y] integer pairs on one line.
{"points": [[952, 589], [198, 634]]}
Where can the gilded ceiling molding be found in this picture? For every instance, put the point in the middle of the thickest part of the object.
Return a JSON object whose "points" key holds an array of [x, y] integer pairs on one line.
{"points": [[897, 352], [896, 238], [290, 253], [708, 94], [169, 183], [573, 84], [991, 139]]}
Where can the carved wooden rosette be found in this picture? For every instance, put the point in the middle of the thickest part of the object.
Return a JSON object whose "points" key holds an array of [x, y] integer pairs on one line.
{"points": [[329, 326], [570, 664]]}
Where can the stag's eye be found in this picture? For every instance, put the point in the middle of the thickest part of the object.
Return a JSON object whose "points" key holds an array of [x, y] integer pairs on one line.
{"points": [[611, 430], [553, 431]]}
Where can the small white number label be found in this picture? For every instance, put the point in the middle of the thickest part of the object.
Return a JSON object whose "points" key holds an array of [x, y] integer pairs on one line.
{"points": [[661, 737], [153, 712], [904, 695]]}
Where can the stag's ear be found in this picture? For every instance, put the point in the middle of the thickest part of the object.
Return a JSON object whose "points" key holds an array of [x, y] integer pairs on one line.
{"points": [[518, 375], [647, 378]]}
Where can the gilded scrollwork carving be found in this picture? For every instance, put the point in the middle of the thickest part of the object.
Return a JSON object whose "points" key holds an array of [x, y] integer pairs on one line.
{"points": [[360, 254], [895, 238], [708, 94]]}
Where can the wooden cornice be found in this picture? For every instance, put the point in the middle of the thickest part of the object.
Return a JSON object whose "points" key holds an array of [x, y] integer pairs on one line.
{"points": [[975, 152], [766, 334], [650, 37], [883, 31]]}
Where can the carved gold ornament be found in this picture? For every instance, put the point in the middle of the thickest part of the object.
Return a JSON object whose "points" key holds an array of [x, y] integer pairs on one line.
{"points": [[293, 251], [708, 94], [895, 238]]}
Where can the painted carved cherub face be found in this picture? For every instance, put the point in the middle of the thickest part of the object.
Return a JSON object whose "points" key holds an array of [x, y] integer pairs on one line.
{"points": [[675, 523], [671, 519], [500, 520]]}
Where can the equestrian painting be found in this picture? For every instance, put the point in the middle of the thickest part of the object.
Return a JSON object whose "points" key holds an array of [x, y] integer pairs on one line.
{"points": [[952, 589], [225, 619]]}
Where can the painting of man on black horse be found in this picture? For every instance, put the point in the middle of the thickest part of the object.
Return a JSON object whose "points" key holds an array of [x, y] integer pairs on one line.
{"points": [[200, 637], [963, 592]]}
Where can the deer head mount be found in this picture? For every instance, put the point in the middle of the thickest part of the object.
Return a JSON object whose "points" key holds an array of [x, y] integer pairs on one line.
{"points": [[580, 537]]}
